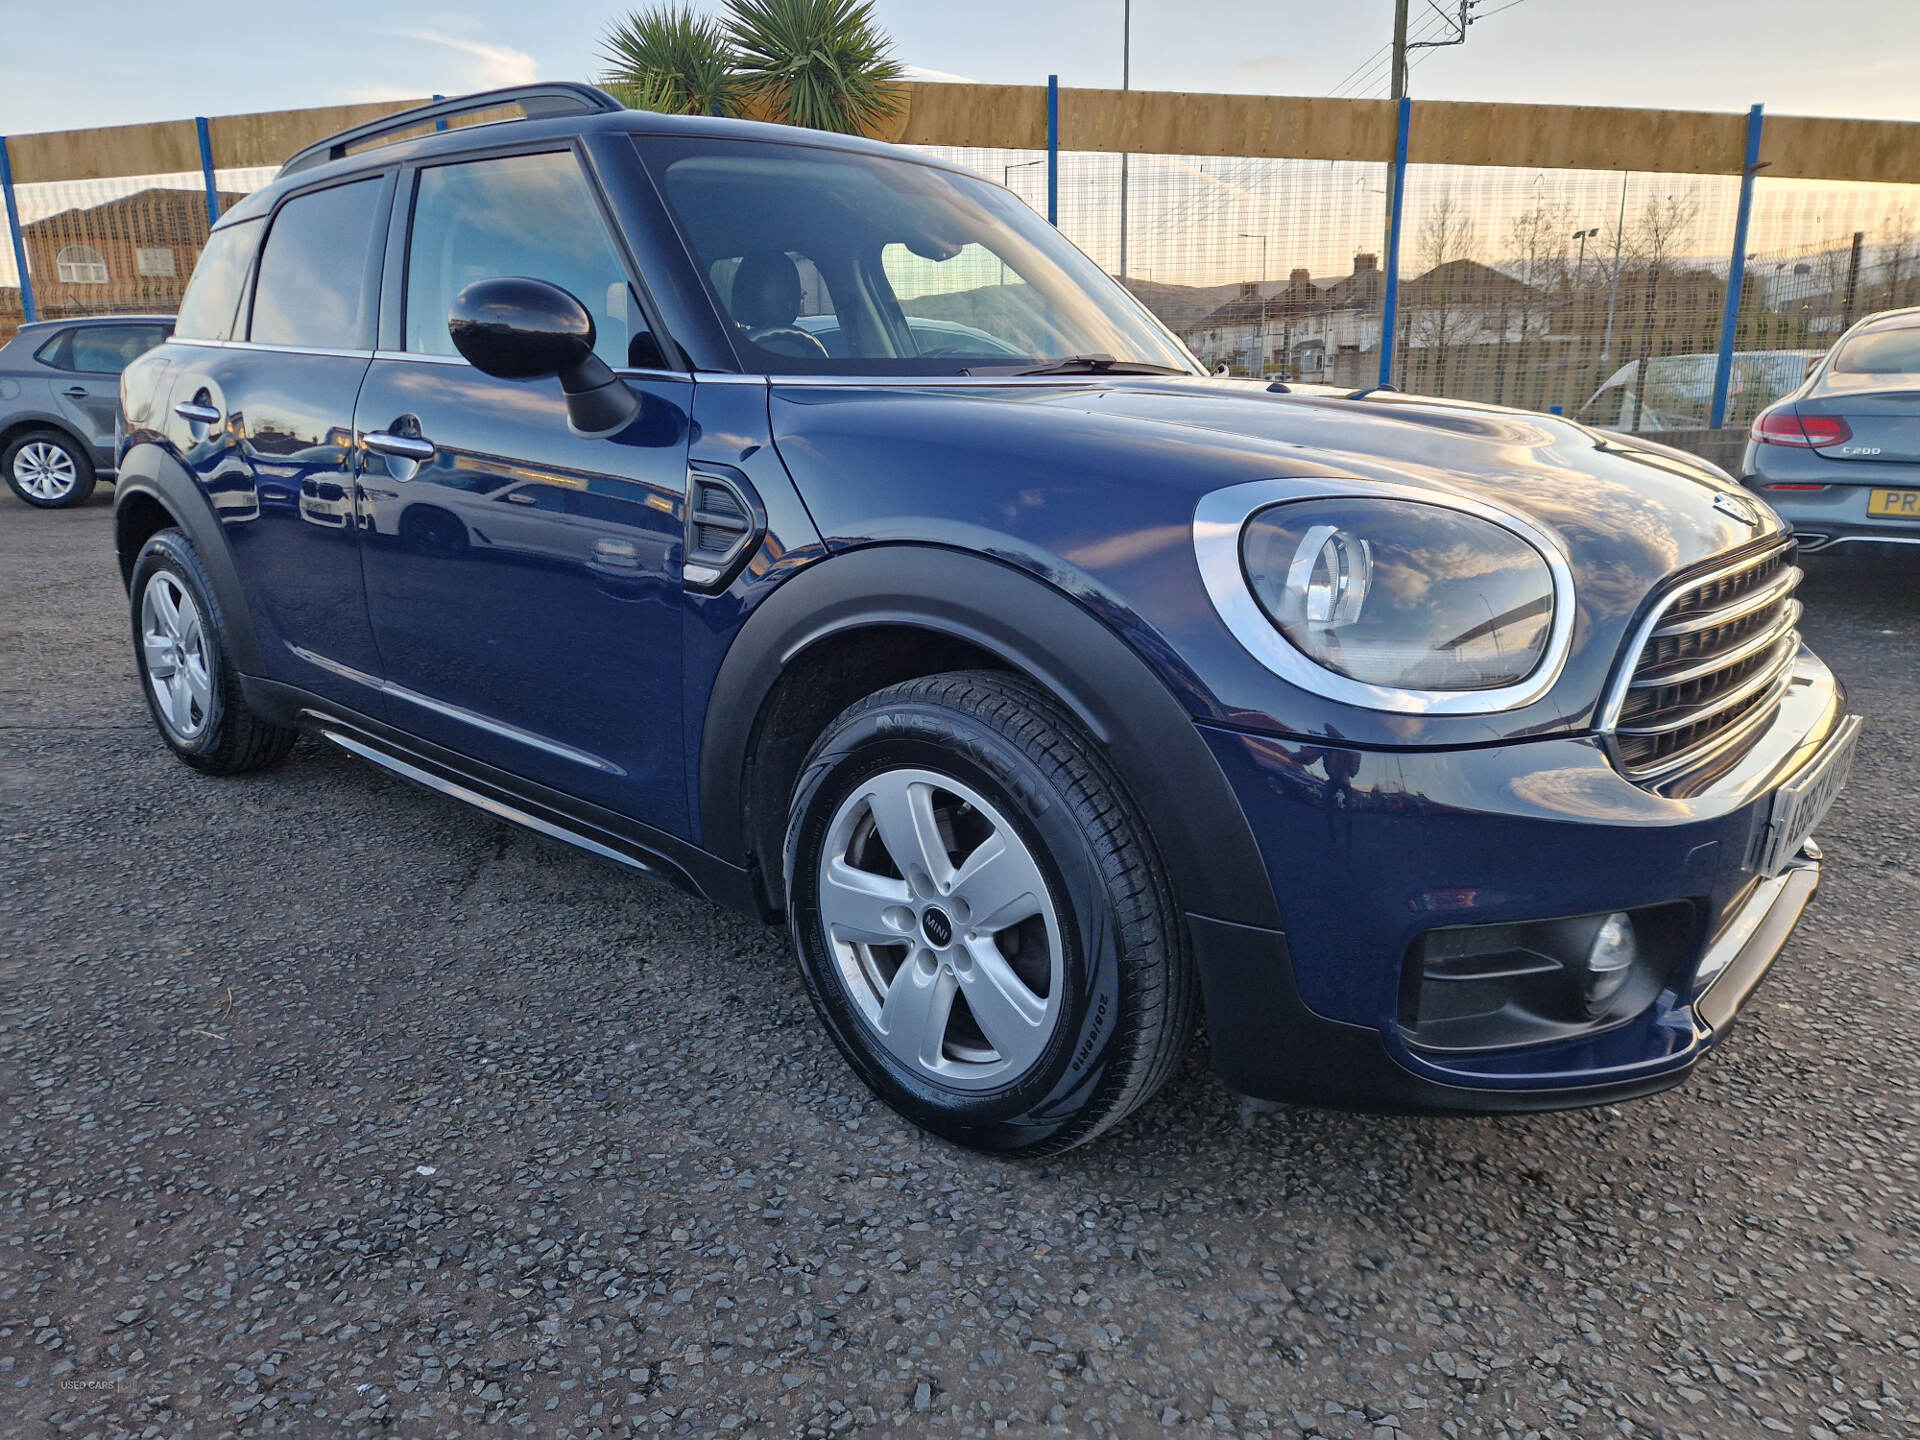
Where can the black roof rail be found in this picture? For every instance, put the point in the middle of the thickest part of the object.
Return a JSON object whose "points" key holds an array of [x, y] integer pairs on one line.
{"points": [[553, 97]]}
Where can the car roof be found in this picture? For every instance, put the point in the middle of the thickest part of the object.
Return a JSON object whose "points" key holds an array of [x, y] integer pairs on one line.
{"points": [[1891, 319], [69, 321], [451, 143]]}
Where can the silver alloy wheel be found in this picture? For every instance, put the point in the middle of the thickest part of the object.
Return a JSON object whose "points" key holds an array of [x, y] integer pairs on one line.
{"points": [[177, 654], [941, 928], [45, 470]]}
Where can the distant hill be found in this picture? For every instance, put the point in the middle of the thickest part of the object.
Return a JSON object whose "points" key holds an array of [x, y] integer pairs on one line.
{"points": [[1180, 307]]}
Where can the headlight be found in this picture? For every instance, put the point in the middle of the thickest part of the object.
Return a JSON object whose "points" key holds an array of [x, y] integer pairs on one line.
{"points": [[1401, 594]]}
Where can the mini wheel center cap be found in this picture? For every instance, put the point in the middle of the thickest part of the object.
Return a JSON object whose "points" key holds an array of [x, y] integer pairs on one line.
{"points": [[937, 926]]}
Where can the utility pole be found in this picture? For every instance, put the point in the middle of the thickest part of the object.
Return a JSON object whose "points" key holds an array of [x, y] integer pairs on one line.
{"points": [[1399, 89], [1126, 83], [1399, 49]]}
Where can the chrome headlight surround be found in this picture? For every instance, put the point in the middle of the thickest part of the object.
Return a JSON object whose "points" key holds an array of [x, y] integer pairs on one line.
{"points": [[1222, 515]]}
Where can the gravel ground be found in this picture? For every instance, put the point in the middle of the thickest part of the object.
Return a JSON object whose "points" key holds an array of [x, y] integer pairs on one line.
{"points": [[333, 1108]]}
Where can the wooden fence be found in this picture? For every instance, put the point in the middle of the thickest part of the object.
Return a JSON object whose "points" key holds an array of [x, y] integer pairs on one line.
{"points": [[1444, 132]]}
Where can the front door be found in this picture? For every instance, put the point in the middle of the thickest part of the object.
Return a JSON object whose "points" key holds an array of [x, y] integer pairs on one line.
{"points": [[524, 582]]}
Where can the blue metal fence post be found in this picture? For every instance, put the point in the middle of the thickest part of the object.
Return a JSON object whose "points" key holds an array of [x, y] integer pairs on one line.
{"points": [[27, 312], [441, 123], [1736, 272], [206, 169], [1053, 149], [1396, 205]]}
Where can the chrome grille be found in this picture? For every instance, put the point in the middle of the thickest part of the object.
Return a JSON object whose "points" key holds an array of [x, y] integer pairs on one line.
{"points": [[1712, 665]]}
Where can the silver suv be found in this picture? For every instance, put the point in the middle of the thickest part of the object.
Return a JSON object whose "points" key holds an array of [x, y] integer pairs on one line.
{"points": [[59, 399]]}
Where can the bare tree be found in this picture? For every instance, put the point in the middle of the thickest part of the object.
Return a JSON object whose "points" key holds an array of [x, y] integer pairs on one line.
{"points": [[1899, 260], [1441, 318], [1659, 236], [1538, 241]]}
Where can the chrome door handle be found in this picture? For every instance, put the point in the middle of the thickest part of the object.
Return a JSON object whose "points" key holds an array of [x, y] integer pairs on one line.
{"points": [[79, 392], [407, 447], [199, 414]]}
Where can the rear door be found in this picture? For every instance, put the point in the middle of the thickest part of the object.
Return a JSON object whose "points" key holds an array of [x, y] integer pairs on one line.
{"points": [[524, 582], [265, 420], [90, 359]]}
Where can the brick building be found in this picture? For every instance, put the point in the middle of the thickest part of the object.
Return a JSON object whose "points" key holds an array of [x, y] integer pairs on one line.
{"points": [[130, 254]]}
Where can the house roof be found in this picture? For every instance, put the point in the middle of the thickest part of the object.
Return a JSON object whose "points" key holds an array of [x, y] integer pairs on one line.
{"points": [[1472, 282], [154, 216]]}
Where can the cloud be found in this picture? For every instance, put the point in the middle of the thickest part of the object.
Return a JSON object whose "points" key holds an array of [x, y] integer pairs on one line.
{"points": [[1267, 64], [920, 72], [483, 66]]}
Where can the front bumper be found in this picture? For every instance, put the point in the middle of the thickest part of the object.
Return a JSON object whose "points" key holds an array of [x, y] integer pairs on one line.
{"points": [[1367, 850]]}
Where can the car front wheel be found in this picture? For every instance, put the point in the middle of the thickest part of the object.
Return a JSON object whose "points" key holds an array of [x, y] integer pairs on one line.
{"points": [[47, 469], [981, 920]]}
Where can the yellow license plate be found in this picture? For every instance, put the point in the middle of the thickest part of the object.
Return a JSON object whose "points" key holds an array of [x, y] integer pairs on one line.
{"points": [[1901, 504]]}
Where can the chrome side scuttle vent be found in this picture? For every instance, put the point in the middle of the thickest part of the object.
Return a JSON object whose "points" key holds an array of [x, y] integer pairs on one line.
{"points": [[724, 526]]}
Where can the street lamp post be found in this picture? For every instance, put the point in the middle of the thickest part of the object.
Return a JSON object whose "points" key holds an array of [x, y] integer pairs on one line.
{"points": [[1580, 265], [1265, 353]]}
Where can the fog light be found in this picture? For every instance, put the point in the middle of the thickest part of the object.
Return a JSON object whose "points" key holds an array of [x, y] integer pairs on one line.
{"points": [[1609, 961], [1488, 987]]}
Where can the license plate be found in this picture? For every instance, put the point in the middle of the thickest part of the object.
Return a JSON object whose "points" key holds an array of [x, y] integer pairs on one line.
{"points": [[1802, 803], [1899, 504]]}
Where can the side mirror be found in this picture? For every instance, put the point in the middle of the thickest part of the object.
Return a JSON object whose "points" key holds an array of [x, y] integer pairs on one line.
{"points": [[514, 327]]}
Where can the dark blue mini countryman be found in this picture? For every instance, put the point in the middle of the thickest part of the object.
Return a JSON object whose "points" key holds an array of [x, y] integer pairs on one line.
{"points": [[806, 523]]}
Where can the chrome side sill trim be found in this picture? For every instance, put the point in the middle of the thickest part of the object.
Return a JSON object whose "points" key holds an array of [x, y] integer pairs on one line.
{"points": [[456, 712], [481, 802]]}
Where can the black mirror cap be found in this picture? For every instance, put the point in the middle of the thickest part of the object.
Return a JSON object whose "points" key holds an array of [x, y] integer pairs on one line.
{"points": [[514, 327]]}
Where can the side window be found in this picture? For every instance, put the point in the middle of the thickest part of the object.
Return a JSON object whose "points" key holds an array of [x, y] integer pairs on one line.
{"points": [[313, 271], [207, 309], [518, 215], [109, 349]]}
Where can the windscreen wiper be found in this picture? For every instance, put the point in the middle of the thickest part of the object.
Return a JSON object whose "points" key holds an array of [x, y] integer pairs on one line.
{"points": [[1084, 365]]}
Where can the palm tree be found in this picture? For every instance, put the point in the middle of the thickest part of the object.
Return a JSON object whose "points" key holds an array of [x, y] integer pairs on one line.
{"points": [[670, 58], [819, 63]]}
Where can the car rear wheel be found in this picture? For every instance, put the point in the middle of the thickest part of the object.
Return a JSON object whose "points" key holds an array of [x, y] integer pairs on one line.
{"points": [[47, 469], [981, 920], [185, 670]]}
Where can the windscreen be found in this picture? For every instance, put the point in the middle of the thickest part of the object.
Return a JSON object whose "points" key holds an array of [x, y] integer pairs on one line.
{"points": [[834, 262]]}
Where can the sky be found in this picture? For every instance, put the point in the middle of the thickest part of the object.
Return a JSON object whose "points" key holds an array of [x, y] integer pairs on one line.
{"points": [[134, 60]]}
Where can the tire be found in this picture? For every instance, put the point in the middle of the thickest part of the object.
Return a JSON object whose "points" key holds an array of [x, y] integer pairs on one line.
{"points": [[48, 469], [1027, 817], [196, 701]]}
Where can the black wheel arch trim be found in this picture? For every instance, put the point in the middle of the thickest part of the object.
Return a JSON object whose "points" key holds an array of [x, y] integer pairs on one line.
{"points": [[1192, 812], [149, 472]]}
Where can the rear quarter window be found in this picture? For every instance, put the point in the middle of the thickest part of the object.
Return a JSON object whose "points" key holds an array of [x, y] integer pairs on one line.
{"points": [[1881, 352], [213, 295]]}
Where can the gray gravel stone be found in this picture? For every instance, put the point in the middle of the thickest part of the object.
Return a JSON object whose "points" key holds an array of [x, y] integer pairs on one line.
{"points": [[335, 1109]]}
